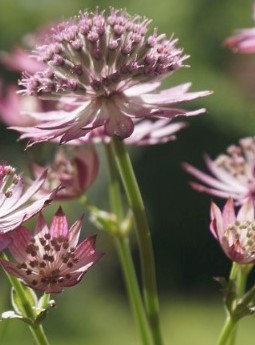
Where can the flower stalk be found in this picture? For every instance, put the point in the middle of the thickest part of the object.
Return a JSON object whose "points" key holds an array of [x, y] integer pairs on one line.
{"points": [[36, 330], [124, 252], [143, 236]]}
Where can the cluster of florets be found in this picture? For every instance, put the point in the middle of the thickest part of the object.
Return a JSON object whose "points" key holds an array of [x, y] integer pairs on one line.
{"points": [[233, 172], [100, 54]]}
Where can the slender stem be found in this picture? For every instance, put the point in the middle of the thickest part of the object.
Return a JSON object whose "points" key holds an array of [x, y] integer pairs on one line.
{"points": [[240, 276], [124, 253], [39, 335], [226, 331], [144, 238], [123, 249], [36, 330]]}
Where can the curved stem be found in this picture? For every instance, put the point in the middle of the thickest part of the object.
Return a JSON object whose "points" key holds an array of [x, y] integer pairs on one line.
{"points": [[36, 330], [226, 331], [143, 235], [124, 253], [238, 275]]}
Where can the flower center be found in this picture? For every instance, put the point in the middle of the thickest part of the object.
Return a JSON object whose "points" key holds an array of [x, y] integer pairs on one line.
{"points": [[242, 234], [49, 258]]}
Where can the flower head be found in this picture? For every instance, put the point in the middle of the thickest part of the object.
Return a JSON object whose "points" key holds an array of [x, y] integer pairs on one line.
{"points": [[16, 203], [109, 68], [51, 259], [233, 173], [244, 40], [75, 172], [236, 234]]}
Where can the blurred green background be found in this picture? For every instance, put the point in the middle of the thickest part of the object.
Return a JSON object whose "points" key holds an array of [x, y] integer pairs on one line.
{"points": [[187, 257]]}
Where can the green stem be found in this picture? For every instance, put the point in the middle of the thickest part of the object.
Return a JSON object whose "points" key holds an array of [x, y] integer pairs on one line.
{"points": [[123, 249], [144, 238], [226, 331], [238, 275], [36, 330], [124, 253]]}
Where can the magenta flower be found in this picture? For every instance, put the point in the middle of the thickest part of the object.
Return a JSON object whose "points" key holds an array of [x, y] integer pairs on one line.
{"points": [[16, 203], [235, 233], [233, 173], [244, 40], [109, 69], [75, 171], [51, 259]]}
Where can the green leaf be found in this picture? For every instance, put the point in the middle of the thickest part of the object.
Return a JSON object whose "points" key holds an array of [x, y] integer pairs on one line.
{"points": [[18, 305]]}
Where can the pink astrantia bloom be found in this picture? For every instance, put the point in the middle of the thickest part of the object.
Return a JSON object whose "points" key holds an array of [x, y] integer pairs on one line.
{"points": [[75, 171], [235, 233], [51, 259], [16, 202], [244, 40], [232, 173], [110, 70]]}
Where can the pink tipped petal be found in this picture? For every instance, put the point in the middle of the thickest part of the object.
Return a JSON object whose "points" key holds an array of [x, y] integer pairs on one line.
{"points": [[59, 226], [246, 212], [20, 238], [216, 225], [228, 214]]}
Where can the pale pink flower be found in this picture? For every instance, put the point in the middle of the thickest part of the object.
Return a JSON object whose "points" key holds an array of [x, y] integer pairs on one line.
{"points": [[75, 169], [16, 202], [51, 259], [235, 233], [110, 70], [13, 107], [232, 173], [244, 40], [20, 60]]}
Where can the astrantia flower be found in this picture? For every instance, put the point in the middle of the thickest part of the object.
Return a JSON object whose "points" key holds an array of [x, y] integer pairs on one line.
{"points": [[16, 202], [244, 40], [51, 259], [75, 171], [233, 173], [109, 69], [235, 233]]}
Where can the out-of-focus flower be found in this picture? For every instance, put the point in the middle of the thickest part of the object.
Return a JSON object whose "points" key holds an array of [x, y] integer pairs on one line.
{"points": [[108, 68], [233, 173], [16, 202], [20, 60], [13, 107], [51, 259], [235, 233], [244, 40], [75, 171]]}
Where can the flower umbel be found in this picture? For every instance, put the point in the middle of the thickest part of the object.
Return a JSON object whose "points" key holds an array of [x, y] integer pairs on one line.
{"points": [[244, 40], [16, 202], [236, 234], [51, 259], [109, 69], [75, 169], [233, 173]]}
